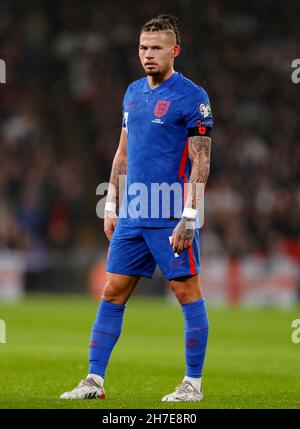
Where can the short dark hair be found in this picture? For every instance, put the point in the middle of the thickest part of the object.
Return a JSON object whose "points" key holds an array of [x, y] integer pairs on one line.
{"points": [[163, 23]]}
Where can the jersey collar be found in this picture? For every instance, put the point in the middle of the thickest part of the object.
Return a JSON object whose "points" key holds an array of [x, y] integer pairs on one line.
{"points": [[166, 84]]}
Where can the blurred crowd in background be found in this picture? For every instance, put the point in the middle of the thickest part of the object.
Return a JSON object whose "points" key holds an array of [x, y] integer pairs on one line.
{"points": [[68, 66]]}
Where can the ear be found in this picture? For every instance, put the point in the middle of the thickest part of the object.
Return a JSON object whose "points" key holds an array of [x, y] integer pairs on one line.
{"points": [[176, 50]]}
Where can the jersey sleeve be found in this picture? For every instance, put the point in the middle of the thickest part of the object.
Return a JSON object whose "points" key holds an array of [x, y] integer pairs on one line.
{"points": [[124, 113], [197, 113]]}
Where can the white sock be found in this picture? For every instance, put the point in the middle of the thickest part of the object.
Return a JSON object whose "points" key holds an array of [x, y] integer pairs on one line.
{"points": [[196, 382], [97, 378]]}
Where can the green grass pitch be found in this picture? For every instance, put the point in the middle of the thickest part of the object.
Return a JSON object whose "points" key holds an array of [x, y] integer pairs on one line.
{"points": [[251, 361]]}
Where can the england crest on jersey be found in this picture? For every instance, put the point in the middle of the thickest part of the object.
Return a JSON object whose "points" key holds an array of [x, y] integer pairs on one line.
{"points": [[161, 108]]}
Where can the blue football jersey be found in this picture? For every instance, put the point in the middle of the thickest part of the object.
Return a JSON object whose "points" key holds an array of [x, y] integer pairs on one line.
{"points": [[157, 122]]}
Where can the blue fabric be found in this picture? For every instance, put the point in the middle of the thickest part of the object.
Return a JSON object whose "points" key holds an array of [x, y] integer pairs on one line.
{"points": [[137, 251], [105, 333], [157, 122], [196, 335]]}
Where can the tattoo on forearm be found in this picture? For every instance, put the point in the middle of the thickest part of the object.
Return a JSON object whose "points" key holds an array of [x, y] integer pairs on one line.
{"points": [[118, 169], [199, 154]]}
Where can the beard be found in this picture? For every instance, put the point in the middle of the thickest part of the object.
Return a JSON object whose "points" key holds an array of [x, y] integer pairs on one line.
{"points": [[152, 73]]}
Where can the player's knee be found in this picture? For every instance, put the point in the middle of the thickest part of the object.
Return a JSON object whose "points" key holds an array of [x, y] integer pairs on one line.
{"points": [[185, 292], [182, 294], [112, 293]]}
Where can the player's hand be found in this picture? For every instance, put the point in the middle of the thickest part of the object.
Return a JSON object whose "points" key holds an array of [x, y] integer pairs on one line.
{"points": [[110, 222], [183, 235]]}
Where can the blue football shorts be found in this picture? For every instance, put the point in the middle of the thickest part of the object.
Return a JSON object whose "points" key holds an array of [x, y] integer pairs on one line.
{"points": [[137, 250]]}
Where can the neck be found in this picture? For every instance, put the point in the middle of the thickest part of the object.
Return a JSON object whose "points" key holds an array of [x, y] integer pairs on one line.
{"points": [[155, 81]]}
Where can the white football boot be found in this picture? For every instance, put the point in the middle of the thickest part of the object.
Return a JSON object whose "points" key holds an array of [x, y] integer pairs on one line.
{"points": [[86, 389], [185, 392]]}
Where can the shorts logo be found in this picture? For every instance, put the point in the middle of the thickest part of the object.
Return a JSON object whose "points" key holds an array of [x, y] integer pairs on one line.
{"points": [[179, 263], [161, 108], [204, 110]]}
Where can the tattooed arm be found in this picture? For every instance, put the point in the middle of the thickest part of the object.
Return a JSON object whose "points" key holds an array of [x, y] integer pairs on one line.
{"points": [[113, 197], [199, 154]]}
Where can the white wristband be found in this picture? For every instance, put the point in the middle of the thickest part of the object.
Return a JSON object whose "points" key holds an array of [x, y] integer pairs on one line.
{"points": [[190, 213], [110, 207]]}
